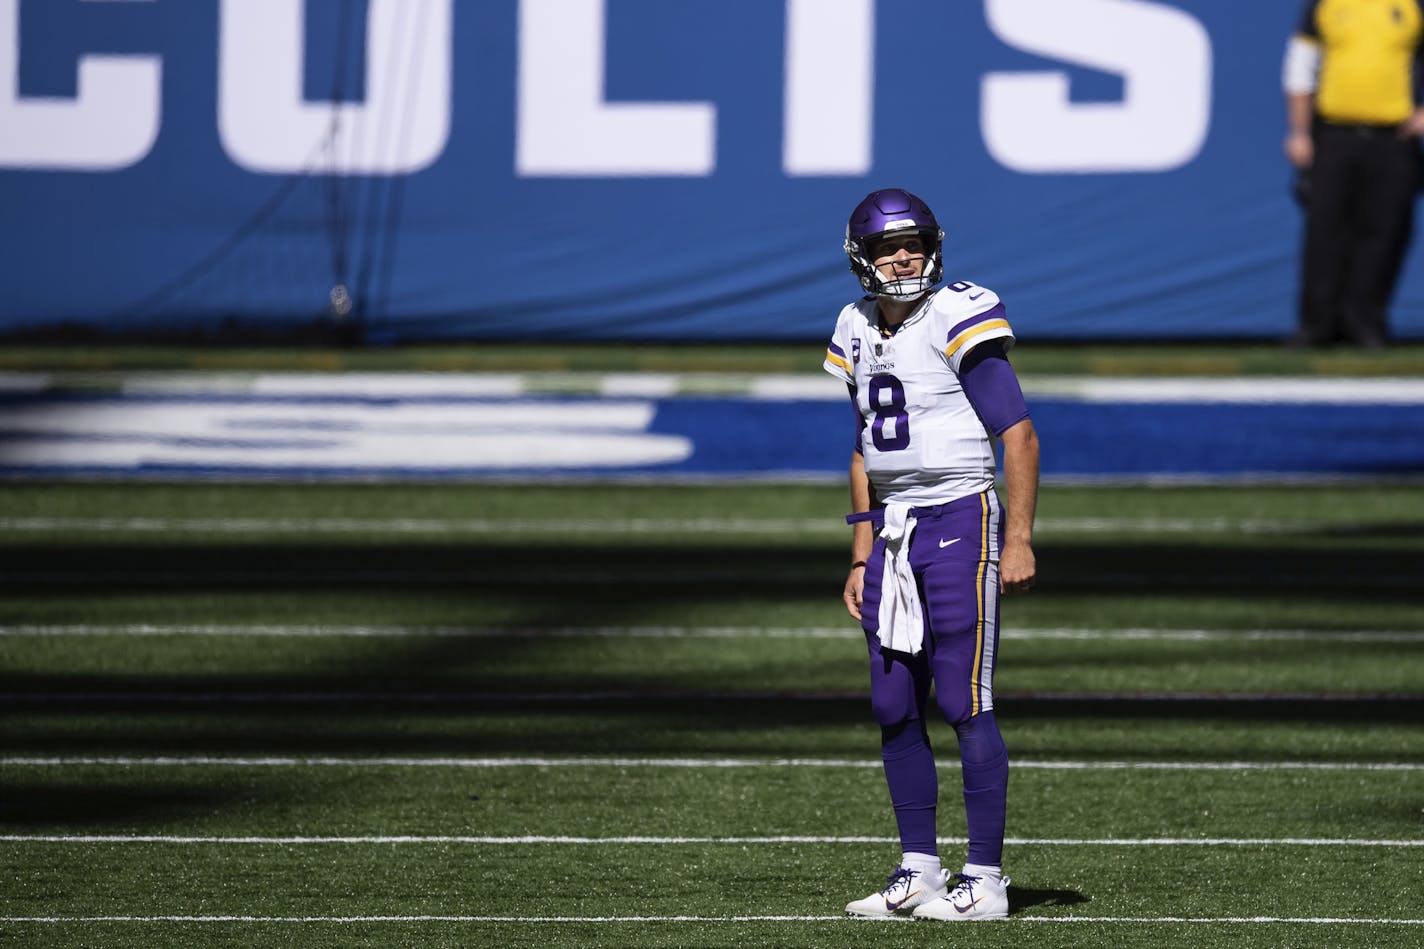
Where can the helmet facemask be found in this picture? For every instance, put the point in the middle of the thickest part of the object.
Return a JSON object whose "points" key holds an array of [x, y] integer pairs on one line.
{"points": [[863, 252]]}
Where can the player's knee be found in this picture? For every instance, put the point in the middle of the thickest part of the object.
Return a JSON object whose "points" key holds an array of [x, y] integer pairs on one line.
{"points": [[981, 744], [906, 730], [956, 709], [890, 713]]}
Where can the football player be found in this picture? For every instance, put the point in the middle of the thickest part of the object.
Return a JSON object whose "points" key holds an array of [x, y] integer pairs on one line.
{"points": [[932, 547]]}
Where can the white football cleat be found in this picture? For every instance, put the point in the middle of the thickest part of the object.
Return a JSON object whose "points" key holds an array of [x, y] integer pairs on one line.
{"points": [[969, 898], [907, 889]]}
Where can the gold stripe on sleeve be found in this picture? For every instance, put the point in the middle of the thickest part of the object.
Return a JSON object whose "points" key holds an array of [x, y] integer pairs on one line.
{"points": [[958, 342], [835, 360]]}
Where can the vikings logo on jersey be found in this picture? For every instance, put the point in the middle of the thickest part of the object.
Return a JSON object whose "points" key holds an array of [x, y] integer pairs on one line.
{"points": [[881, 359]]}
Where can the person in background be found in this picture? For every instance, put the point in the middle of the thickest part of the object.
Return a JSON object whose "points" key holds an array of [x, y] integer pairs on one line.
{"points": [[932, 548], [1353, 125]]}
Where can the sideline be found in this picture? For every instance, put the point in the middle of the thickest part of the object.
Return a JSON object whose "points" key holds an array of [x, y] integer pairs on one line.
{"points": [[187, 761], [1248, 920], [692, 632], [636, 526], [440, 839]]}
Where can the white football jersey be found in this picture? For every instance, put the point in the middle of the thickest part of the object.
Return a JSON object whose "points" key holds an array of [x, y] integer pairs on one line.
{"points": [[924, 444]]}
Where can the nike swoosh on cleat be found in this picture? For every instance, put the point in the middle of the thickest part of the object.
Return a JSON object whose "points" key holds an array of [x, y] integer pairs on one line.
{"points": [[965, 909], [893, 905], [945, 543]]}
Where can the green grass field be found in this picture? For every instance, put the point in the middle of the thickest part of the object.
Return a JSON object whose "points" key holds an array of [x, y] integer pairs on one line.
{"points": [[611, 715]]}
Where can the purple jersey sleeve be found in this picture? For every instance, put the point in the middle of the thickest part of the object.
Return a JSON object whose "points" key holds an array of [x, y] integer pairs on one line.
{"points": [[992, 387]]}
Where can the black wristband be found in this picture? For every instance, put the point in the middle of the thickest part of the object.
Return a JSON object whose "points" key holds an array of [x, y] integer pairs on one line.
{"points": [[858, 563]]}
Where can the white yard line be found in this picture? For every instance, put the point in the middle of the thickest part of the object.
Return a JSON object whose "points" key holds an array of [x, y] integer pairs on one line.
{"points": [[842, 918], [1260, 390], [458, 696], [441, 839], [455, 632], [684, 632], [204, 760], [474, 385], [468, 696], [415, 525], [624, 526]]}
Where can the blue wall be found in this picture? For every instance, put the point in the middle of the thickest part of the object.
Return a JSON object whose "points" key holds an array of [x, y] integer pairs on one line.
{"points": [[639, 169]]}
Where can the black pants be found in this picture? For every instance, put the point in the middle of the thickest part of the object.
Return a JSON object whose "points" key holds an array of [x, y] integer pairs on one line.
{"points": [[1358, 221]]}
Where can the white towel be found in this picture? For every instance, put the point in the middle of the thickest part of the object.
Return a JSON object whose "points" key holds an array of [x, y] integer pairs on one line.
{"points": [[902, 622]]}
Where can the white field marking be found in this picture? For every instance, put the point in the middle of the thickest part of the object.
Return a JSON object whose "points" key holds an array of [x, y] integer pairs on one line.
{"points": [[1400, 390], [439, 632], [237, 420], [1405, 390], [184, 761], [690, 632], [417, 525], [429, 697], [1219, 635], [620, 526], [1310, 920], [1258, 390], [331, 385], [588, 433], [386, 385], [423, 839], [842, 918]]}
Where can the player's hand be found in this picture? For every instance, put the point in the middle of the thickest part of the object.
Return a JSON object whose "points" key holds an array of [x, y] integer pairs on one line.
{"points": [[1017, 568], [854, 590], [1300, 149]]}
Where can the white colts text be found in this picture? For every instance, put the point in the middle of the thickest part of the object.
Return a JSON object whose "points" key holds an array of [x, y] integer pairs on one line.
{"points": [[566, 127]]}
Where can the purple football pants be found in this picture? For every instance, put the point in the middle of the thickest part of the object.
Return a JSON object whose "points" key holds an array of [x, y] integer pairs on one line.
{"points": [[954, 554]]}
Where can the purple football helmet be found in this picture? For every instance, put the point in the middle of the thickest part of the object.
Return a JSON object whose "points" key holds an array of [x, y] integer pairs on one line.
{"points": [[891, 212]]}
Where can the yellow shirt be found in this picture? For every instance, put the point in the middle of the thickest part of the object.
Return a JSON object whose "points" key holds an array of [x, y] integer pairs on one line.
{"points": [[1367, 51]]}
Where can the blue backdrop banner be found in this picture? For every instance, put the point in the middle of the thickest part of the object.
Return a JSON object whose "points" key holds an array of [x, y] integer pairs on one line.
{"points": [[639, 169]]}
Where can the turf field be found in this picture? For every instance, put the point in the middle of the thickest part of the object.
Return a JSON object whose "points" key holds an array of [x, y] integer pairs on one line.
{"points": [[636, 716]]}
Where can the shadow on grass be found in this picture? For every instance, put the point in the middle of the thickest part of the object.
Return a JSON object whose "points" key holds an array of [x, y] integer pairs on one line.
{"points": [[108, 802], [579, 579], [409, 696], [651, 726], [1022, 899]]}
